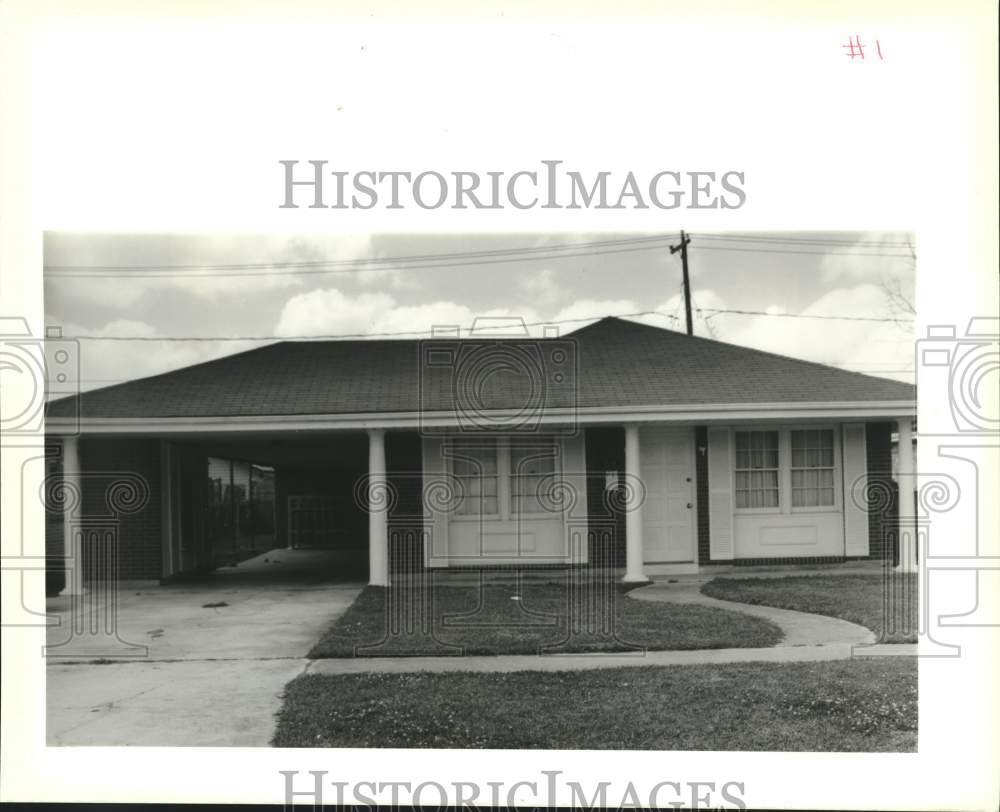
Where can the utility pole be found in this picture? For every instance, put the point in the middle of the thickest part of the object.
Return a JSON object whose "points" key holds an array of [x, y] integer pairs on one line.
{"points": [[683, 248]]}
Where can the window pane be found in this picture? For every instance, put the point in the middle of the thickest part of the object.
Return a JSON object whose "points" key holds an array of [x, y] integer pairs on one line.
{"points": [[756, 474], [474, 465], [537, 456], [812, 468]]}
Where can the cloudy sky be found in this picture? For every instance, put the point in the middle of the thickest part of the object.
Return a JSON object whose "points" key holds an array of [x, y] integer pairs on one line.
{"points": [[228, 288]]}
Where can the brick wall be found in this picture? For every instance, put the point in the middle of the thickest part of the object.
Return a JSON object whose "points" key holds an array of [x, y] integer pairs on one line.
{"points": [[120, 481], [605, 451], [883, 516], [404, 472], [701, 492]]}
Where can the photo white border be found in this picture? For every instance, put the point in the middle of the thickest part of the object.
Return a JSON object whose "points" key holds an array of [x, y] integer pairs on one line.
{"points": [[824, 142]]}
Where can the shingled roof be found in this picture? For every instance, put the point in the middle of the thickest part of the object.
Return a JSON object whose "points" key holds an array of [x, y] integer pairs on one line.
{"points": [[610, 363]]}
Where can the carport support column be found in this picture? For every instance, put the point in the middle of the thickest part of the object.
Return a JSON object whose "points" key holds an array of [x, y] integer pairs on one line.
{"points": [[633, 509], [72, 499], [907, 480], [378, 510]]}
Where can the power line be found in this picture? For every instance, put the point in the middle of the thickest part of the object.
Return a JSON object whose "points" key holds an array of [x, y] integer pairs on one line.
{"points": [[353, 264], [144, 275], [744, 249], [720, 311], [335, 336], [768, 238], [433, 261]]}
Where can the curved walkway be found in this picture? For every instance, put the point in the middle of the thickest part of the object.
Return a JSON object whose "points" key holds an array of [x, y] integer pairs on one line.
{"points": [[800, 628], [808, 638]]}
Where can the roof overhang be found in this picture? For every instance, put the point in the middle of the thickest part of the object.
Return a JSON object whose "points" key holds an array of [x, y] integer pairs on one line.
{"points": [[499, 420]]}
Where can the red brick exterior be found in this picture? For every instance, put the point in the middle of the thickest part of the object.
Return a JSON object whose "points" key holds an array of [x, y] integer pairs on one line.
{"points": [[121, 489], [883, 516], [701, 492]]}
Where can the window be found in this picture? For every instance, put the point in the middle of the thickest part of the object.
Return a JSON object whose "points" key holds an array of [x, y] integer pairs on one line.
{"points": [[757, 469], [531, 463], [474, 466], [812, 468], [503, 477]]}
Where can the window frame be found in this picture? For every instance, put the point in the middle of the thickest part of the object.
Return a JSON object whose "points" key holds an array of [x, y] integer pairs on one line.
{"points": [[779, 508], [504, 513], [785, 507], [835, 468]]}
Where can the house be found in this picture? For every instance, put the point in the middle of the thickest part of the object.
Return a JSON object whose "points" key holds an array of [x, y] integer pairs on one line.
{"points": [[620, 444]]}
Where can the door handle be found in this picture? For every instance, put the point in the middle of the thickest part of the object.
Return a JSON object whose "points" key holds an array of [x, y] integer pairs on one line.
{"points": [[690, 506]]}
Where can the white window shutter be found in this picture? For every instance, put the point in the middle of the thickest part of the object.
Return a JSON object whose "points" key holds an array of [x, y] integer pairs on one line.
{"points": [[720, 495], [855, 482]]}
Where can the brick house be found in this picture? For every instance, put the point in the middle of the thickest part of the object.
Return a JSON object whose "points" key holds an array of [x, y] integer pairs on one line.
{"points": [[619, 445]]}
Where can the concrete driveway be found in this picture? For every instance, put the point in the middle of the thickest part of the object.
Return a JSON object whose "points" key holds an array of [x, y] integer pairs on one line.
{"points": [[201, 663]]}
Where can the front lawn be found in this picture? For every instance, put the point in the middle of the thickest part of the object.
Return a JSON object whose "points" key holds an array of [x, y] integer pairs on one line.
{"points": [[549, 616], [886, 603], [867, 705]]}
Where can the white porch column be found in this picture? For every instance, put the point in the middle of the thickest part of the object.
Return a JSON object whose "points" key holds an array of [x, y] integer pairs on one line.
{"points": [[378, 510], [907, 480], [633, 515], [72, 499]]}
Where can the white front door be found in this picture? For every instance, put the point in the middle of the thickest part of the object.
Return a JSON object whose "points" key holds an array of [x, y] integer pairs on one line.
{"points": [[666, 462]]}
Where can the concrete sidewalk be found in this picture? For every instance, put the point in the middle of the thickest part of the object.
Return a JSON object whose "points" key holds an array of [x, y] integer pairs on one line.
{"points": [[800, 628], [808, 638], [579, 662]]}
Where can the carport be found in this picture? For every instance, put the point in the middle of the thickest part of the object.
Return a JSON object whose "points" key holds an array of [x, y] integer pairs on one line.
{"points": [[158, 508]]}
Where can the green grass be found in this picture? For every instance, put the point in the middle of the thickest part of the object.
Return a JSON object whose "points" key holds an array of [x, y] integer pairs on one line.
{"points": [[886, 604], [501, 618], [851, 705]]}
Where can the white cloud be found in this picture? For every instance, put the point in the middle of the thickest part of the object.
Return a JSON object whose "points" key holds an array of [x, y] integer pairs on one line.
{"points": [[327, 311], [875, 347], [594, 309], [275, 263], [104, 363]]}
